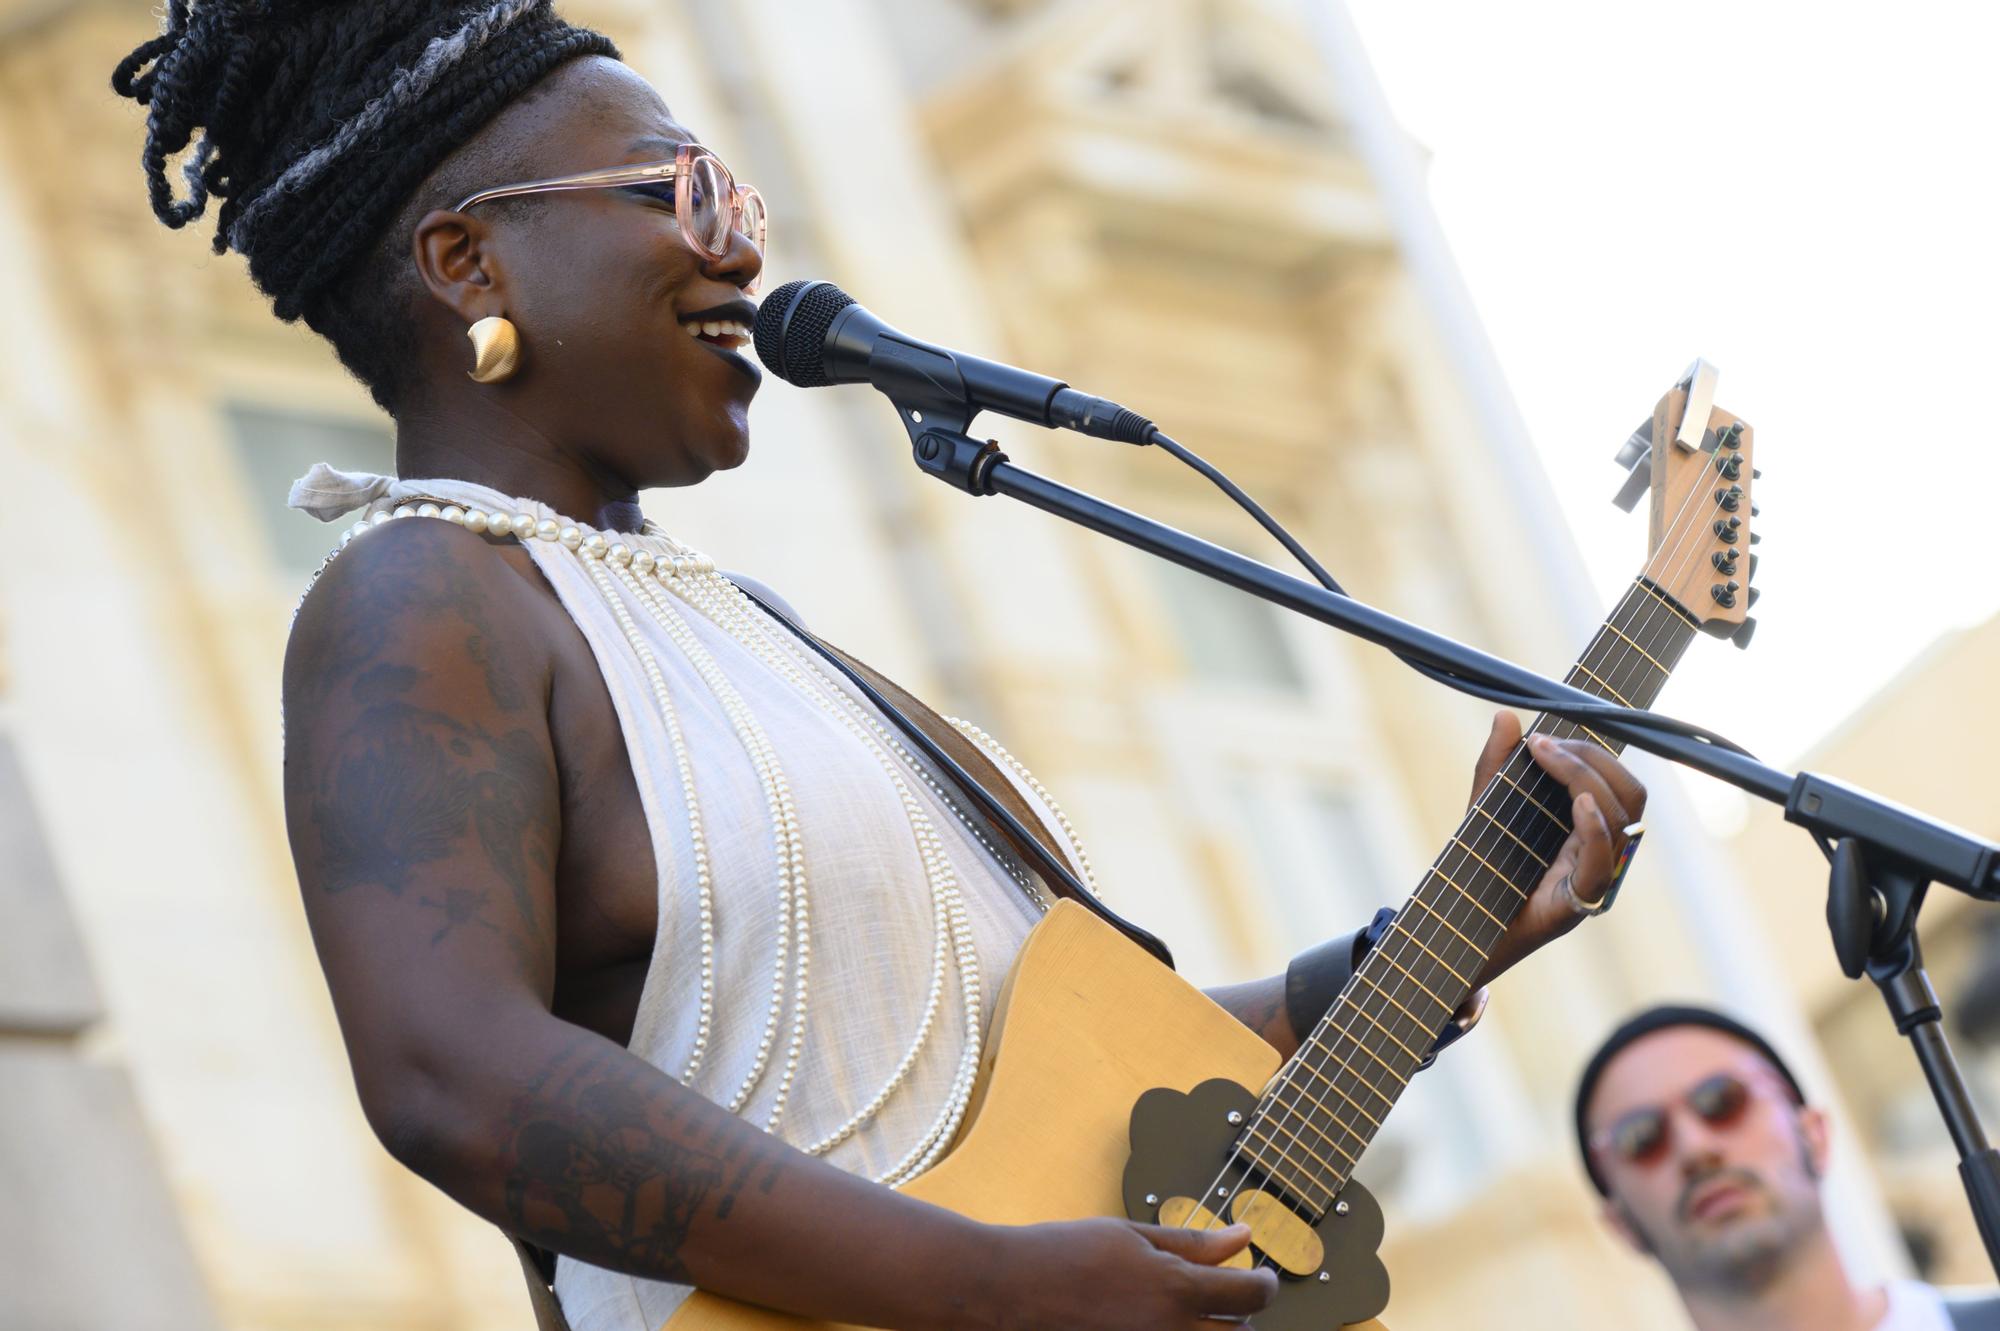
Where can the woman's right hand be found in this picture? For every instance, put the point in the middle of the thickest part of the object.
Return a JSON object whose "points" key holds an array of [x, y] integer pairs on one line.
{"points": [[1117, 1275]]}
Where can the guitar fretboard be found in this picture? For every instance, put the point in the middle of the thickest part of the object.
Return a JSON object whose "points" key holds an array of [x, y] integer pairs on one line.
{"points": [[1325, 1105]]}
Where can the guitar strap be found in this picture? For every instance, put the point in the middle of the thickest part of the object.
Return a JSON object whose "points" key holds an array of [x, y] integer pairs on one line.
{"points": [[990, 795]]}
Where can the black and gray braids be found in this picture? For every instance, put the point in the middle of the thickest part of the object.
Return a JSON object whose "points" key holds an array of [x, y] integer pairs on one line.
{"points": [[314, 122]]}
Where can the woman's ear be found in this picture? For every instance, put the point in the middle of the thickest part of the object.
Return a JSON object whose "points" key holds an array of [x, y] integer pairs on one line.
{"points": [[458, 266]]}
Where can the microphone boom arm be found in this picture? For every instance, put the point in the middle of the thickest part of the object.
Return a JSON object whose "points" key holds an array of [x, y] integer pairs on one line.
{"points": [[1910, 842]]}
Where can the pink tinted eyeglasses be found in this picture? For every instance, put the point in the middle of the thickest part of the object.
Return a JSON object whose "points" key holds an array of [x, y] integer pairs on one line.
{"points": [[709, 204]]}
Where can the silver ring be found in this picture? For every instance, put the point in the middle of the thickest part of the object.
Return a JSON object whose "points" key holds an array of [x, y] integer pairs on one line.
{"points": [[1567, 889]]}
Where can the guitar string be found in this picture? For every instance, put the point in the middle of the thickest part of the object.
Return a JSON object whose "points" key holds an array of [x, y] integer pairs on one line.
{"points": [[1277, 1125], [1644, 625], [1657, 608], [1274, 1098], [1647, 622]]}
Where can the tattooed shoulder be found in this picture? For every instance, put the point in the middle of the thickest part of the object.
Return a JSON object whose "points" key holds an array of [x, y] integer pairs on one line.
{"points": [[415, 764]]}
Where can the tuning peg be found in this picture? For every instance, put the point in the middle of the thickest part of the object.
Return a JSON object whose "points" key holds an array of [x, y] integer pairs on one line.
{"points": [[1755, 539], [1756, 474], [1726, 529], [1756, 512], [1733, 436], [1730, 465], [1750, 597], [1635, 448], [1744, 632], [1724, 561], [1753, 569], [1635, 487], [1730, 499], [1724, 593]]}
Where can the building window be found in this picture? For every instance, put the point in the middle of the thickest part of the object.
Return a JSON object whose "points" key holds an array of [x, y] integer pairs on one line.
{"points": [[275, 446], [1314, 850], [1227, 636]]}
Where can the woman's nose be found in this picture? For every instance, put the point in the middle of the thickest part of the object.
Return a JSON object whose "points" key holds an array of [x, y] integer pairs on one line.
{"points": [[742, 264]]}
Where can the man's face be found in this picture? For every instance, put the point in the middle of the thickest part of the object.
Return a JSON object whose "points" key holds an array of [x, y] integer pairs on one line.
{"points": [[1722, 1204]]}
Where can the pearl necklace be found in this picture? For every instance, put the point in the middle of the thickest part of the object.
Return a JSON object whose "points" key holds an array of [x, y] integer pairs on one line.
{"points": [[676, 573]]}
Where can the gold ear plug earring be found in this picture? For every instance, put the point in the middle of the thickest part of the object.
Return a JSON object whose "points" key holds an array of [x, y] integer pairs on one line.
{"points": [[496, 349]]}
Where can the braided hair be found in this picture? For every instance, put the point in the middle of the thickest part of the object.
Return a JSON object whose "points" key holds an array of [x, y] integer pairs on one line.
{"points": [[319, 121]]}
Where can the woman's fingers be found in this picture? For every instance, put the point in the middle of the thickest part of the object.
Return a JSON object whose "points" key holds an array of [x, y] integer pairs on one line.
{"points": [[1586, 769], [1500, 741], [1596, 852]]}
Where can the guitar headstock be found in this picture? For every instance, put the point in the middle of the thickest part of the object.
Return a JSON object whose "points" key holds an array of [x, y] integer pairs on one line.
{"points": [[1698, 461]]}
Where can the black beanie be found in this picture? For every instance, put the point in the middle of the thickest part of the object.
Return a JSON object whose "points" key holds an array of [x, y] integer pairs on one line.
{"points": [[1636, 1027]]}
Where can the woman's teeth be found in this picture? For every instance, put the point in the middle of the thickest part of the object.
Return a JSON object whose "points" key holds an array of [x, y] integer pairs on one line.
{"points": [[722, 333]]}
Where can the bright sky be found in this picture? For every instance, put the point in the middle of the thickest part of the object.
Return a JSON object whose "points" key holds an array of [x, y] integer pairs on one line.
{"points": [[1805, 195]]}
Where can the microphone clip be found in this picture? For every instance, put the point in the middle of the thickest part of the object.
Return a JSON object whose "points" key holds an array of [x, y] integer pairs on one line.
{"points": [[955, 458], [935, 408]]}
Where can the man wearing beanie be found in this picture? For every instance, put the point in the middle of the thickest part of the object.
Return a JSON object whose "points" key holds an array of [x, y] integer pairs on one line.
{"points": [[1709, 1160]]}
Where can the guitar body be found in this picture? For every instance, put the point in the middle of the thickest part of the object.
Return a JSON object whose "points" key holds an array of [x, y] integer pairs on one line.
{"points": [[1086, 1024]]}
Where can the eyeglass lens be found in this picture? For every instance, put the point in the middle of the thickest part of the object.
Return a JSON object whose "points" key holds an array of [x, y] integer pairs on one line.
{"points": [[1641, 1136], [708, 204]]}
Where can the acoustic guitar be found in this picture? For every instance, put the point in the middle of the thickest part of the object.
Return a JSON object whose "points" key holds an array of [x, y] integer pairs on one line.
{"points": [[1113, 1087]]}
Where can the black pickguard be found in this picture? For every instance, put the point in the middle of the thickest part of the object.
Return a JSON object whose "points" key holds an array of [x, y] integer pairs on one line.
{"points": [[1181, 1147]]}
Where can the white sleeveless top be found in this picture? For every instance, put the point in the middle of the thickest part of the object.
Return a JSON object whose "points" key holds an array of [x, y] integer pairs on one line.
{"points": [[881, 856]]}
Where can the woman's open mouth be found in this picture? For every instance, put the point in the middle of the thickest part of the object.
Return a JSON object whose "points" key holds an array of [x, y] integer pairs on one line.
{"points": [[727, 335]]}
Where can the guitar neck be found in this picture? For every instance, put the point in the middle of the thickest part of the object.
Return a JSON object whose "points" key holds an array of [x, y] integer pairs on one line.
{"points": [[1326, 1104]]}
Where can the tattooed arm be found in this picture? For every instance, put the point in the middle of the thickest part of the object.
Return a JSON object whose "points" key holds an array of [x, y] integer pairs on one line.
{"points": [[1262, 1004], [423, 804]]}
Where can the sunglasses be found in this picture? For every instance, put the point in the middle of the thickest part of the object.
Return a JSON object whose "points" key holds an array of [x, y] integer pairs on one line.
{"points": [[1641, 1136], [709, 205]]}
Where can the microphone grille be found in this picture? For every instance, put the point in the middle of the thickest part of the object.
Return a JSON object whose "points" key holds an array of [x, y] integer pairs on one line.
{"points": [[790, 332]]}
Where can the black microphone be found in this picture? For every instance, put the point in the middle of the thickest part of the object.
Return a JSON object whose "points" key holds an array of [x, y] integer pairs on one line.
{"points": [[812, 334]]}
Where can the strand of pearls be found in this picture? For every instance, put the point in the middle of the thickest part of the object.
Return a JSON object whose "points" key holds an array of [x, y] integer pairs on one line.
{"points": [[790, 848], [748, 618], [726, 604], [750, 621], [1027, 778], [692, 579], [683, 765]]}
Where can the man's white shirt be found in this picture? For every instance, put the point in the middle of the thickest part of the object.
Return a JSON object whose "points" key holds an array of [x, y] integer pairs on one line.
{"points": [[1913, 1306]]}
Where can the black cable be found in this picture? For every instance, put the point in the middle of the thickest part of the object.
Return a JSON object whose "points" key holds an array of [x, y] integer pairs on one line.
{"points": [[1476, 687]]}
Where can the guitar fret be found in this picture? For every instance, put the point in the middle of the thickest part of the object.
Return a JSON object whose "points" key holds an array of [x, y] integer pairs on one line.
{"points": [[1306, 1119], [1508, 832], [1616, 695], [1418, 900], [1280, 1085], [1489, 865], [1602, 742], [1560, 824], [1401, 1081], [1285, 1152], [1414, 980], [1467, 894], [1312, 1192], [1615, 630], [1334, 1086], [1369, 1017], [1427, 952], [1414, 1018]]}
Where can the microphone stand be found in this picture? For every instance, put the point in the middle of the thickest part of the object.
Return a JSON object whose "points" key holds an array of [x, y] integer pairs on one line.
{"points": [[1884, 856]]}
